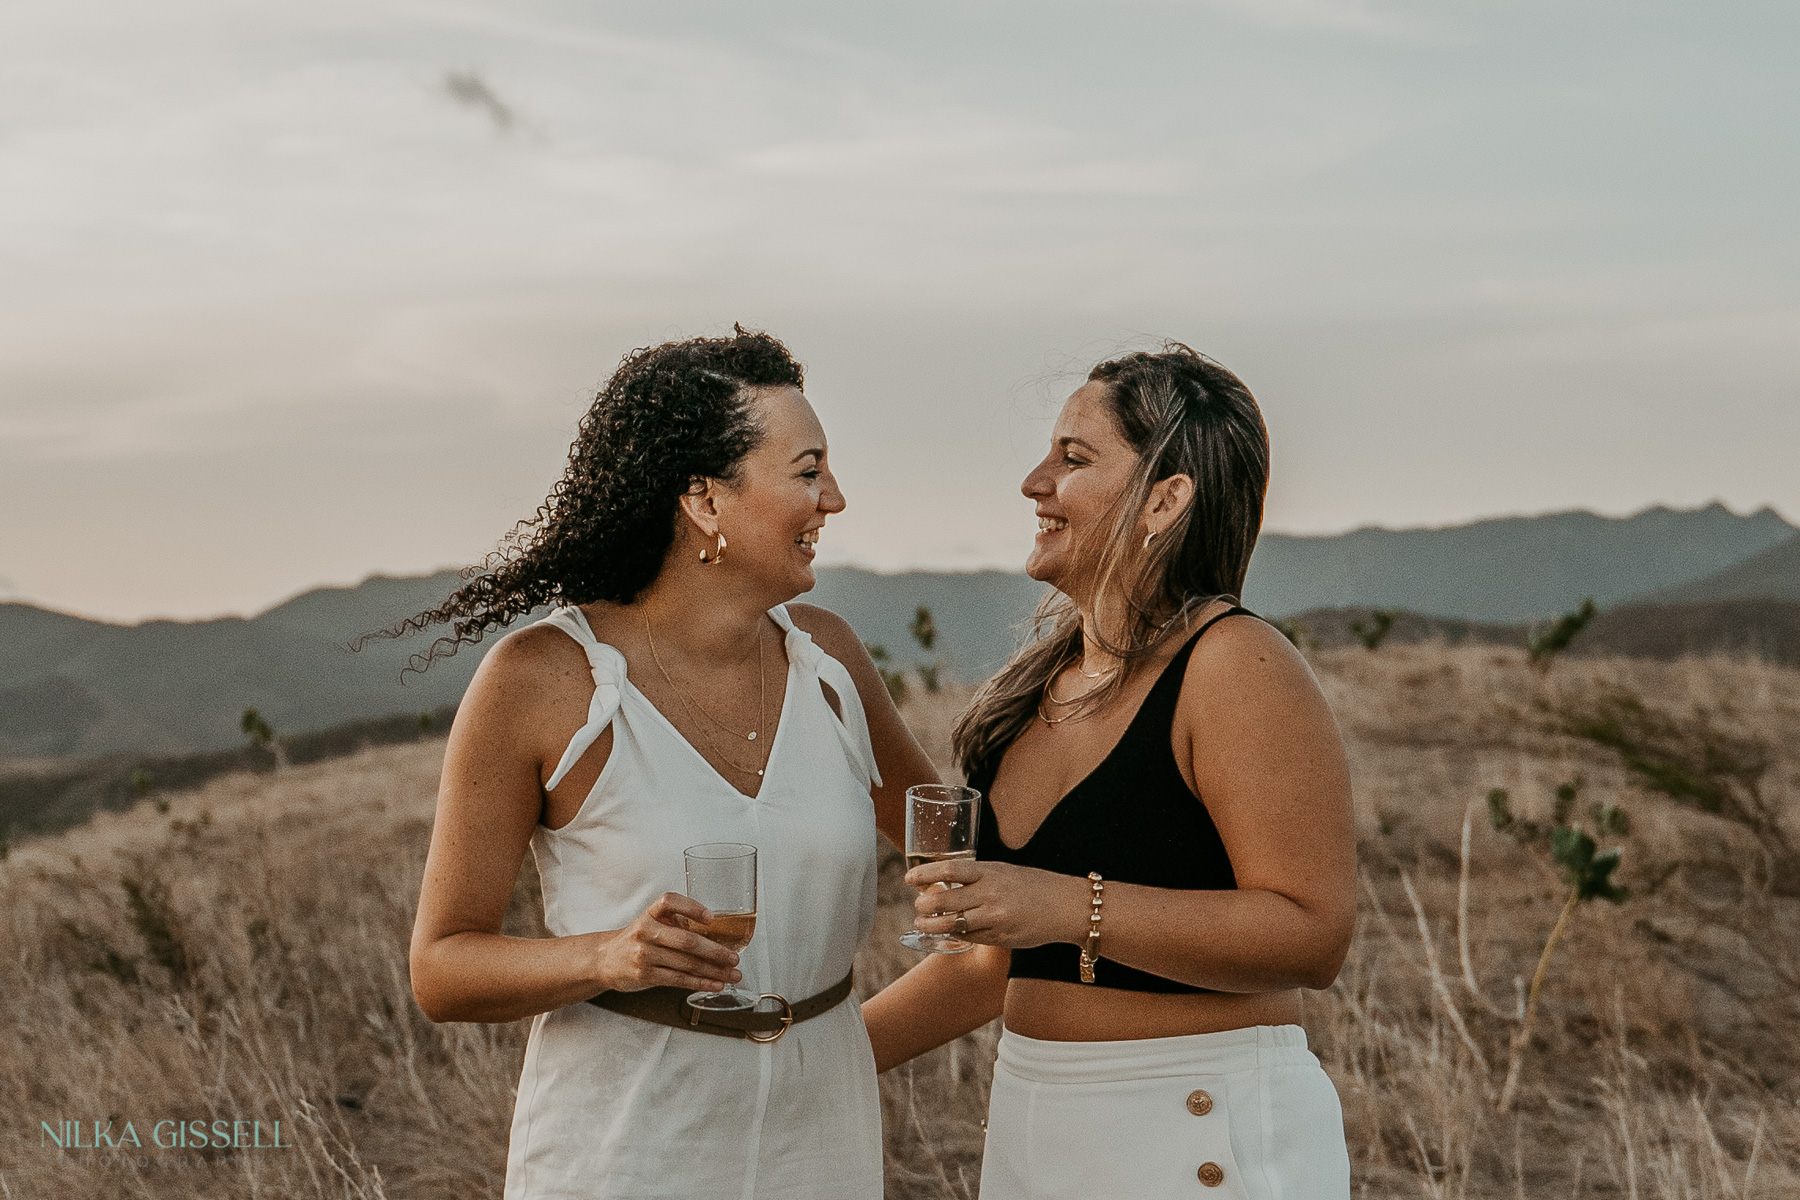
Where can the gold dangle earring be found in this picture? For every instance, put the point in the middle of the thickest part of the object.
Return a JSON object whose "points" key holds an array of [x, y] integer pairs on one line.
{"points": [[718, 556]]}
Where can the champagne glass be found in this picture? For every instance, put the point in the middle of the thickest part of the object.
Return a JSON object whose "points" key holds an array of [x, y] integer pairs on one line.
{"points": [[941, 820], [722, 876]]}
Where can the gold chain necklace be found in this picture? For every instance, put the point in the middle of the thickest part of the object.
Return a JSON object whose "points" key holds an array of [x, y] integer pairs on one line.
{"points": [[762, 706], [1050, 687], [1107, 676], [1047, 719], [1050, 695]]}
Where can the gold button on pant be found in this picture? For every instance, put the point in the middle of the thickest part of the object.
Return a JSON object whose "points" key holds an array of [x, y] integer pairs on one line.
{"points": [[1199, 1103], [1211, 1174]]}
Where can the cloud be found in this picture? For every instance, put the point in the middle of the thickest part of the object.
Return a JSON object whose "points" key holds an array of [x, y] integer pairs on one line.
{"points": [[1321, 16], [233, 232], [472, 91]]}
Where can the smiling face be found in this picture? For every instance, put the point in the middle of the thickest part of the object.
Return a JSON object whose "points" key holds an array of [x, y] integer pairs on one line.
{"points": [[772, 512], [1076, 490]]}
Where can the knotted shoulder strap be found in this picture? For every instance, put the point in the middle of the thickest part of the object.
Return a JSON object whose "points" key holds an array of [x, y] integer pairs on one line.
{"points": [[852, 723], [608, 668]]}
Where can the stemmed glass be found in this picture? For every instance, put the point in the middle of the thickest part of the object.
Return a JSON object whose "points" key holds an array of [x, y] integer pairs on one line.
{"points": [[941, 821], [722, 876]]}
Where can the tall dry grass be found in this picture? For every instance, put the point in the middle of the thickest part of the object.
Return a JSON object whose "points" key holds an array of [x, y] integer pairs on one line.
{"points": [[242, 956]]}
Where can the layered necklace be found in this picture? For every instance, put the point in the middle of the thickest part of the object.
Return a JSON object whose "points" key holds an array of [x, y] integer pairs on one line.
{"points": [[1105, 678], [762, 707]]}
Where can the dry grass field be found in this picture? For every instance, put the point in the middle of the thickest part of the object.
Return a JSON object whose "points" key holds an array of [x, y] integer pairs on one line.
{"points": [[241, 956]]}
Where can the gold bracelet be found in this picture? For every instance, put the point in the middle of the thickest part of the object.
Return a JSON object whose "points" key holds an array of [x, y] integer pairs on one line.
{"points": [[1090, 951]]}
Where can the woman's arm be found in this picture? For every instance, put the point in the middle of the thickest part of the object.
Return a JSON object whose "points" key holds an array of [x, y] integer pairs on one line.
{"points": [[937, 1001], [897, 752], [1263, 751], [528, 696]]}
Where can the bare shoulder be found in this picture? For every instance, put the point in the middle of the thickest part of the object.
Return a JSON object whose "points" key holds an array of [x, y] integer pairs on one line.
{"points": [[1252, 721], [527, 653], [526, 671], [1243, 659], [832, 633]]}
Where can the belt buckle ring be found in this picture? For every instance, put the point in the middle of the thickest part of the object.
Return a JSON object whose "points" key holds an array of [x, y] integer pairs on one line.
{"points": [[787, 1021]]}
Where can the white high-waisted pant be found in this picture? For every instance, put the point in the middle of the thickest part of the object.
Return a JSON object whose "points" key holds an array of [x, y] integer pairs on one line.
{"points": [[1246, 1114]]}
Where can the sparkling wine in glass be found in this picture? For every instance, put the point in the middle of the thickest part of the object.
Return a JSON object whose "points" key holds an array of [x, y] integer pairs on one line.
{"points": [[722, 876], [941, 819]]}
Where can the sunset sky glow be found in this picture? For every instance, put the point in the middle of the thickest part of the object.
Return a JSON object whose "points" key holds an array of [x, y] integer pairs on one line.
{"points": [[293, 294]]}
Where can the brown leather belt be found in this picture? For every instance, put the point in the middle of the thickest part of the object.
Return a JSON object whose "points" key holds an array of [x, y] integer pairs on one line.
{"points": [[669, 1006]]}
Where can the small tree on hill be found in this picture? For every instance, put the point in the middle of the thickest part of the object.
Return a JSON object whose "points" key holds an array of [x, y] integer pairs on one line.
{"points": [[1545, 644], [1372, 634], [261, 735], [893, 677], [1586, 869], [924, 631]]}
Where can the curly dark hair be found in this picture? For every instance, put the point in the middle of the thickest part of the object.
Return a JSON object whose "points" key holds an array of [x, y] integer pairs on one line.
{"points": [[669, 416]]}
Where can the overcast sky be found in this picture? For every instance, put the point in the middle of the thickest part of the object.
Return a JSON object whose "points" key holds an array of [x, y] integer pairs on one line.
{"points": [[291, 294]]}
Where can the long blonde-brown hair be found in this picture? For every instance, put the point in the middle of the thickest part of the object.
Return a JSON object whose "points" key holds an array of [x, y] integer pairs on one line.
{"points": [[1183, 414]]}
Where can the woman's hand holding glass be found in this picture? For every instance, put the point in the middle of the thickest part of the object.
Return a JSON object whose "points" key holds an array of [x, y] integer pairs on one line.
{"points": [[1001, 904], [942, 821], [723, 874], [658, 950]]}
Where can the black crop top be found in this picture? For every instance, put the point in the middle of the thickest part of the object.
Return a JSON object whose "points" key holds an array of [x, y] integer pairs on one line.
{"points": [[1132, 819]]}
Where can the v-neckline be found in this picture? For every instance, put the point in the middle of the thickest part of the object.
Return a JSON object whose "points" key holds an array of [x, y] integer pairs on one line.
{"points": [[781, 724], [1092, 771], [781, 718]]}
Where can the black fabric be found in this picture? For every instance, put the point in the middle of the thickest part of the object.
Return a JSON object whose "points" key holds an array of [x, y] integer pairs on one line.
{"points": [[1132, 819]]}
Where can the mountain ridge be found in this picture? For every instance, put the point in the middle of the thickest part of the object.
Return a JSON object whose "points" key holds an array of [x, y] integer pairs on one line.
{"points": [[76, 686], [1508, 569], [1773, 574]]}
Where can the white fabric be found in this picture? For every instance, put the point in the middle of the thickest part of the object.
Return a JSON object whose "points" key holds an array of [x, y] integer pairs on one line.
{"points": [[612, 1106], [1110, 1120]]}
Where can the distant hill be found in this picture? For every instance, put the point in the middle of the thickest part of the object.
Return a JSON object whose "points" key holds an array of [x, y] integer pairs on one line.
{"points": [[1772, 575], [1763, 629], [1508, 569], [980, 615], [75, 687], [71, 686]]}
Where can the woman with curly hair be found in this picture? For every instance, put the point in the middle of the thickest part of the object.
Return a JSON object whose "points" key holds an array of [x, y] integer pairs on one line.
{"points": [[671, 697], [1165, 856]]}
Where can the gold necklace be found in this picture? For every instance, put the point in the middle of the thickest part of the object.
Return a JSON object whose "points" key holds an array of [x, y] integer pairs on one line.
{"points": [[1050, 684], [762, 705], [1096, 674], [1050, 687], [1050, 695], [695, 704], [1047, 719]]}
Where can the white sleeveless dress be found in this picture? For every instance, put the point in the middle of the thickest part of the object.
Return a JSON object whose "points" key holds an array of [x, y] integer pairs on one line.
{"points": [[617, 1107]]}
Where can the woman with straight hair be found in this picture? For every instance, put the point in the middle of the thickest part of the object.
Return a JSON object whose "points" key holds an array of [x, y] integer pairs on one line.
{"points": [[1165, 858], [670, 698]]}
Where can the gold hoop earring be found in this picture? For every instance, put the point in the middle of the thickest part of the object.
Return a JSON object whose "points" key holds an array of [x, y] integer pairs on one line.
{"points": [[1148, 538], [718, 556]]}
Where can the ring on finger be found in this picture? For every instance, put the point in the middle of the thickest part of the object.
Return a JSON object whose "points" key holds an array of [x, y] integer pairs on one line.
{"points": [[962, 924]]}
